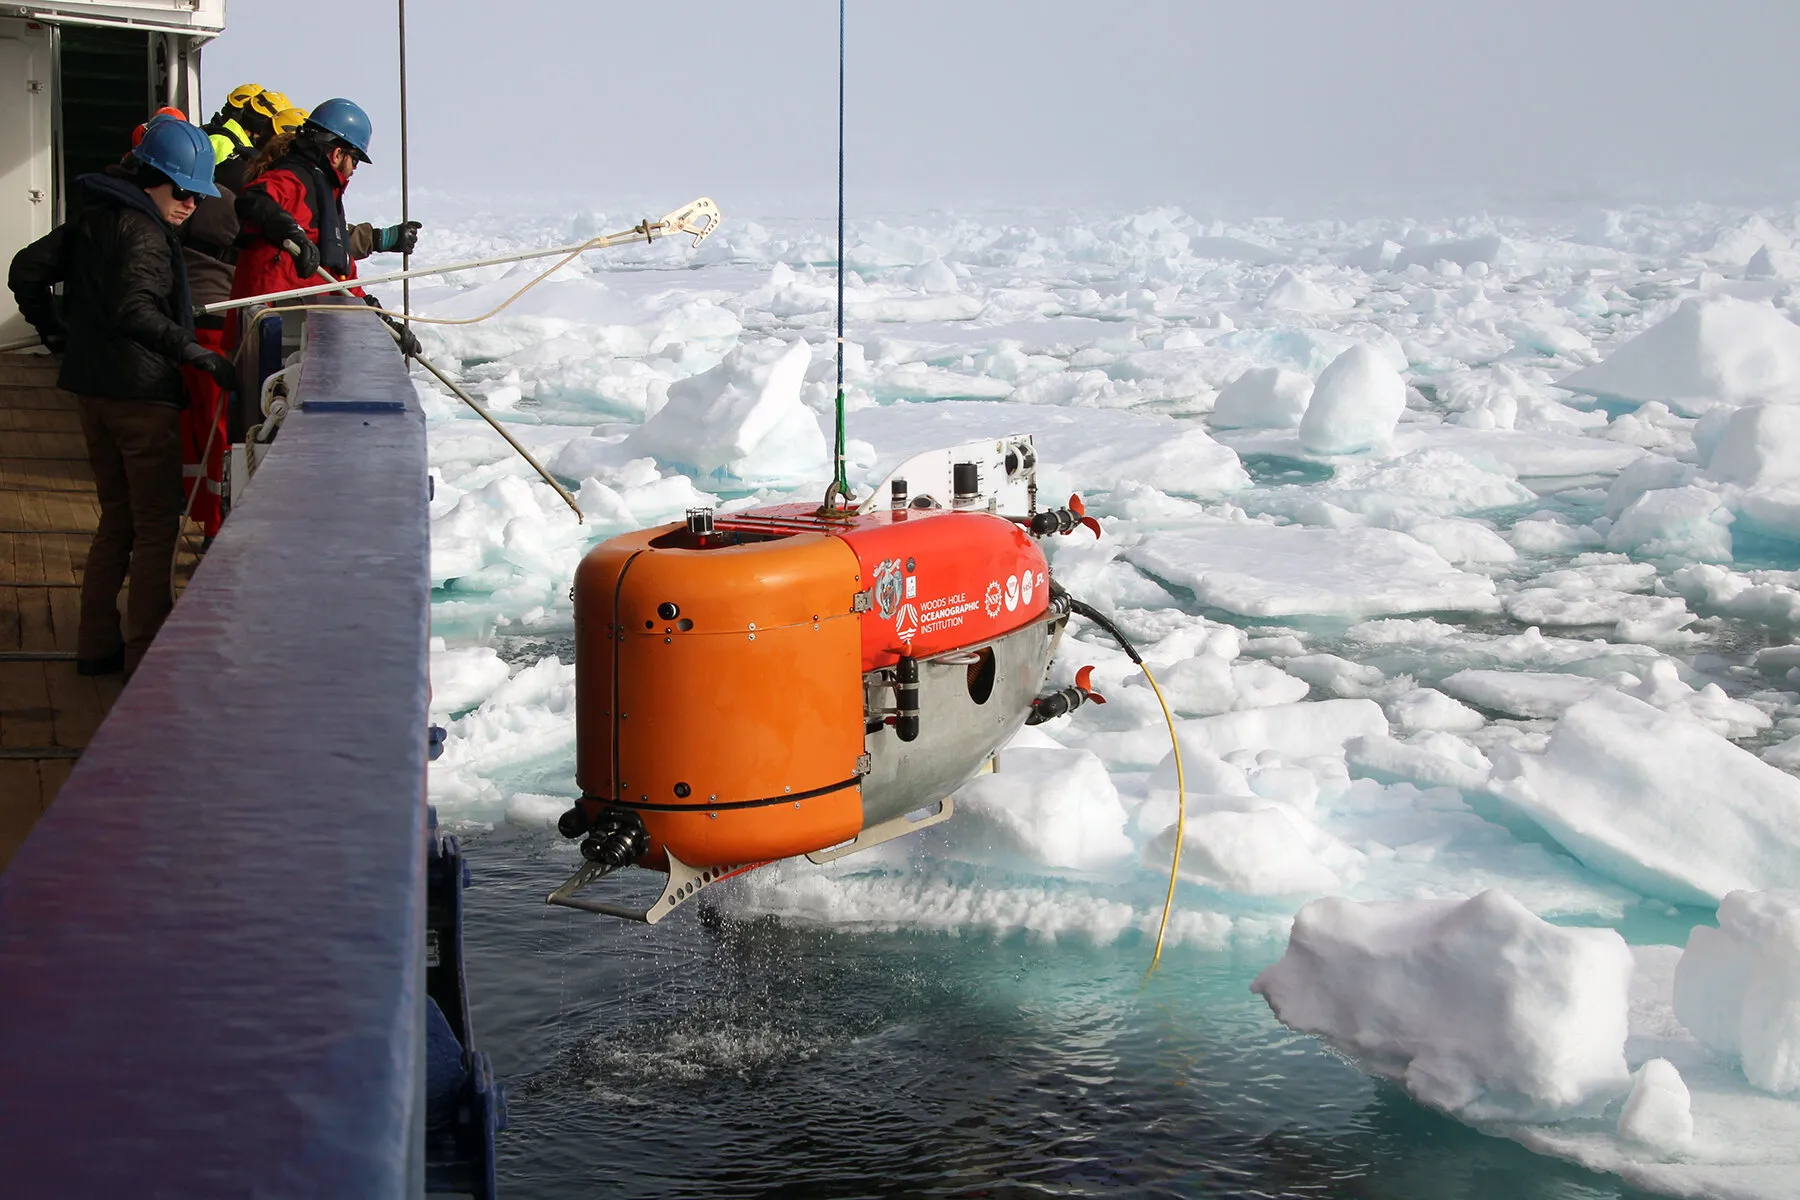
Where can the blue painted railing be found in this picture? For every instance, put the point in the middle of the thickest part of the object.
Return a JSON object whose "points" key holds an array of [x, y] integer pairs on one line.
{"points": [[213, 947]]}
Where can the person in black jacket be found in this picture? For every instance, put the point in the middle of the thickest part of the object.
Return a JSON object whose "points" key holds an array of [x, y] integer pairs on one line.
{"points": [[126, 327]]}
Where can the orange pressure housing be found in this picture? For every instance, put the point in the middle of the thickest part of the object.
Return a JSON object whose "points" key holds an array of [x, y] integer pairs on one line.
{"points": [[719, 677]]}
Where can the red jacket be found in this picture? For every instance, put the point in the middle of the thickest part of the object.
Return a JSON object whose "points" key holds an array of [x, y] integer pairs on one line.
{"points": [[297, 191]]}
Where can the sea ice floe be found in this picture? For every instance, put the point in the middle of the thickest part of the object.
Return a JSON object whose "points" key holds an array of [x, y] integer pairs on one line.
{"points": [[1687, 522], [1738, 987], [1358, 401], [1263, 849], [741, 422], [462, 678], [1260, 570], [1710, 351], [1477, 1007], [1045, 805], [1658, 1113], [1263, 398], [1658, 802]]}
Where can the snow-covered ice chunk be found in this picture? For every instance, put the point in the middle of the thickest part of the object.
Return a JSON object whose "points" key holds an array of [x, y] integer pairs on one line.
{"points": [[1712, 350], [1296, 293], [463, 677], [742, 421], [1280, 571], [1271, 850], [1520, 693], [1760, 445], [1658, 802], [1357, 403], [1263, 398], [1685, 522], [1207, 684], [1463, 541], [1759, 598], [1048, 805], [1477, 1007], [1649, 473], [1737, 987], [1658, 1112], [1634, 618], [1424, 762], [1293, 731], [1464, 252], [1427, 708], [1181, 461], [1746, 1143]]}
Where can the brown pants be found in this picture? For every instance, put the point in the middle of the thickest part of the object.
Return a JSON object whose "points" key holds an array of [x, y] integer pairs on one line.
{"points": [[135, 450]]}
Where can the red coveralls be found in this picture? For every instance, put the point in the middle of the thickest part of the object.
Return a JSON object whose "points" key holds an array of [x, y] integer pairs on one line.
{"points": [[262, 265], [203, 482]]}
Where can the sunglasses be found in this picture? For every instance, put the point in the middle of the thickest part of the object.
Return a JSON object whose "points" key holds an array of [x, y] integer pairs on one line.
{"points": [[180, 194]]}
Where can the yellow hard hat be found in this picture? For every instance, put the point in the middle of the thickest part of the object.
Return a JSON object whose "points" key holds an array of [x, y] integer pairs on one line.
{"points": [[243, 94], [270, 103], [288, 120]]}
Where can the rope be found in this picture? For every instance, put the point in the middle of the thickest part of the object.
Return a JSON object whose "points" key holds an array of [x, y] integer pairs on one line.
{"points": [[455, 388], [1162, 927], [344, 285], [200, 481], [839, 500]]}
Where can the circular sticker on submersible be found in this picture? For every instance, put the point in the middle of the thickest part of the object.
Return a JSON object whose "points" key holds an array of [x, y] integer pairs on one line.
{"points": [[1012, 592], [888, 585], [1025, 588], [906, 624], [993, 600]]}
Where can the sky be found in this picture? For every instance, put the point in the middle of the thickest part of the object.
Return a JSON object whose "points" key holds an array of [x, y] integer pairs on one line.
{"points": [[1283, 107]]}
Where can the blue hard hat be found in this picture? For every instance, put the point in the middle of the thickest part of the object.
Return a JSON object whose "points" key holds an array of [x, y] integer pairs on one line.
{"points": [[346, 121], [181, 151]]}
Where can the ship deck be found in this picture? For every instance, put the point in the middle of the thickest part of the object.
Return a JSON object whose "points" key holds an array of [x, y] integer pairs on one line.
{"points": [[47, 515]]}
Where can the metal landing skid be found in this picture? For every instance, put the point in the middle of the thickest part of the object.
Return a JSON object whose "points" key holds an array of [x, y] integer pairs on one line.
{"points": [[683, 882]]}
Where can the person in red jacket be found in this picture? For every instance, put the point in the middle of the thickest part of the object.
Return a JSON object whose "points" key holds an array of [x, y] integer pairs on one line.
{"points": [[292, 213]]}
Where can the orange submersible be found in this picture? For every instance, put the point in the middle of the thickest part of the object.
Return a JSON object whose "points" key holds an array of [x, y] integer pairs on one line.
{"points": [[792, 680]]}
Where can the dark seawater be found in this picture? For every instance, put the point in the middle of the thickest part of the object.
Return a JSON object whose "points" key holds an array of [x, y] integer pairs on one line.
{"points": [[718, 1057]]}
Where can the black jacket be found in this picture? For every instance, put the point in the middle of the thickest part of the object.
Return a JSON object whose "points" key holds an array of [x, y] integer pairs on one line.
{"points": [[209, 239], [126, 309]]}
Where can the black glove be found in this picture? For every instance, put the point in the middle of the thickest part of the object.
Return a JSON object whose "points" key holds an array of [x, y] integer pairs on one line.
{"points": [[305, 255], [397, 239], [55, 339], [212, 362], [409, 341]]}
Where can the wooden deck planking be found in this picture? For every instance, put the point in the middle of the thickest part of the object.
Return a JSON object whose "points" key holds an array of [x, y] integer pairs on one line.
{"points": [[48, 512], [48, 710]]}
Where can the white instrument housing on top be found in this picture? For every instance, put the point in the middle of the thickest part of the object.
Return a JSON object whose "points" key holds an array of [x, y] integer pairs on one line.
{"points": [[1005, 472]]}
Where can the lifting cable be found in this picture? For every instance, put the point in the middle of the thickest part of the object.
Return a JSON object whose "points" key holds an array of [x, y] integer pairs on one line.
{"points": [[839, 500], [1100, 619]]}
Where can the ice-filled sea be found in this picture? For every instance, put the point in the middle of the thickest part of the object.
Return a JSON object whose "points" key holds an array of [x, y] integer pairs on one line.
{"points": [[1466, 552]]}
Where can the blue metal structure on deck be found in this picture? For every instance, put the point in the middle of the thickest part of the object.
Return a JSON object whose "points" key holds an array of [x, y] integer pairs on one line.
{"points": [[214, 947]]}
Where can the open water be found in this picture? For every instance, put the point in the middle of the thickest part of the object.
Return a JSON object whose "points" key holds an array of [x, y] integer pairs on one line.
{"points": [[715, 1057]]}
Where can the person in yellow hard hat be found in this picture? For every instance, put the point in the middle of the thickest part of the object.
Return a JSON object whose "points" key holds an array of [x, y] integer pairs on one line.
{"points": [[288, 120], [242, 127]]}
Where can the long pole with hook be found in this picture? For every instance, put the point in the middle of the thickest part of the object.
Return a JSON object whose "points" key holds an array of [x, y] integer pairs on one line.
{"points": [[405, 191]]}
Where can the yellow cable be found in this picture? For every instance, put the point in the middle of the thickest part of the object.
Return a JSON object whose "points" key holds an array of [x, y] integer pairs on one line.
{"points": [[1180, 820]]}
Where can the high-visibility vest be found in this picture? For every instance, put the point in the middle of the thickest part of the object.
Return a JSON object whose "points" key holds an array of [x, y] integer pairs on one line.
{"points": [[234, 139]]}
